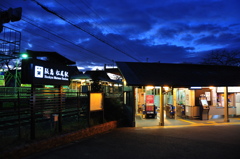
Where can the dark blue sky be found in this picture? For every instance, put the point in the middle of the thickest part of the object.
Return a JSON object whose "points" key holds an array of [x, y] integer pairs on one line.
{"points": [[98, 32]]}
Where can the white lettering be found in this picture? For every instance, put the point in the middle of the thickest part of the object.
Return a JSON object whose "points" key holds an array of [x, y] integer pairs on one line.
{"points": [[46, 71], [51, 72], [65, 79], [66, 74], [57, 78], [57, 73], [62, 73], [48, 77]]}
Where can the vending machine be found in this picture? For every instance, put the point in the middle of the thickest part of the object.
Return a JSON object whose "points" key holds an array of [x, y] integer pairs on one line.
{"points": [[204, 107], [150, 109]]}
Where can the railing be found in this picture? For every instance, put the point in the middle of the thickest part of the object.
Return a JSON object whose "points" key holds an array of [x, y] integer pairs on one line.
{"points": [[40, 113], [30, 114], [109, 91]]}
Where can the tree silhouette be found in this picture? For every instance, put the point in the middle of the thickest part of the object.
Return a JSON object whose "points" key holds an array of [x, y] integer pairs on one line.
{"points": [[222, 57], [96, 86]]}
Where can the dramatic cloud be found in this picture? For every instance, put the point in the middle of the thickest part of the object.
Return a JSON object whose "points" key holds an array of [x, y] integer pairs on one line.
{"points": [[98, 32]]}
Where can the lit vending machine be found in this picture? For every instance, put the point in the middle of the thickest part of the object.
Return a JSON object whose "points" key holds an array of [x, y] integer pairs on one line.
{"points": [[204, 108], [150, 109]]}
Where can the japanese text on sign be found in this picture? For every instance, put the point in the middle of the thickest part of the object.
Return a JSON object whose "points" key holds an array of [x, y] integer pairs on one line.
{"points": [[51, 73]]}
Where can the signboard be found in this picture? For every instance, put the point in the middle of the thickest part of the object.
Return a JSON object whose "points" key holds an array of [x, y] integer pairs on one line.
{"points": [[149, 99], [43, 72], [50, 73], [207, 94], [96, 101], [230, 89]]}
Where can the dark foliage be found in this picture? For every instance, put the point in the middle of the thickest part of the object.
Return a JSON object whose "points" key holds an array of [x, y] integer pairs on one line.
{"points": [[96, 86], [223, 57], [113, 109]]}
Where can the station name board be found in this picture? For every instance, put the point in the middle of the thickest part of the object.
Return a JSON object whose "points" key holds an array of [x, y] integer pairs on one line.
{"points": [[50, 73], [44, 72]]}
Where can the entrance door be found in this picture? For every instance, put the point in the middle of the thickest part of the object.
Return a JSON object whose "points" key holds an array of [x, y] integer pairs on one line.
{"points": [[147, 104]]}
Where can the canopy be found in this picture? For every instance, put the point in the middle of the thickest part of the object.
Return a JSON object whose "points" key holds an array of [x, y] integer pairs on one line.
{"points": [[178, 75]]}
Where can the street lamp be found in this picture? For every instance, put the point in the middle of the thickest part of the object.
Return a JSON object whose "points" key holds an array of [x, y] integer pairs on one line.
{"points": [[24, 55]]}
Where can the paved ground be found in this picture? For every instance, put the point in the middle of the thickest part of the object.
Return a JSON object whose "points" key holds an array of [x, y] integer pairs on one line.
{"points": [[221, 141], [179, 122]]}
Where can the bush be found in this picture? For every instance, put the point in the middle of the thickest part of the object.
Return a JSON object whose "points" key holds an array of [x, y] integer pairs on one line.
{"points": [[113, 109]]}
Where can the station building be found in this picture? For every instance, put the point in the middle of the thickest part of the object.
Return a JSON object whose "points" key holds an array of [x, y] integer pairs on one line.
{"points": [[190, 91]]}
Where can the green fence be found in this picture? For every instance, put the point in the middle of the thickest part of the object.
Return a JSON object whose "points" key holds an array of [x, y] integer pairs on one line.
{"points": [[27, 115]]}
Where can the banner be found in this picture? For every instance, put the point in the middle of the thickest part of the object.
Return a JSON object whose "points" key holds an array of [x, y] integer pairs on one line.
{"points": [[149, 99]]}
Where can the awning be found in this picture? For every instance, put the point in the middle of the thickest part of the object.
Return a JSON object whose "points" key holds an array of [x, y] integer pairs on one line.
{"points": [[178, 75]]}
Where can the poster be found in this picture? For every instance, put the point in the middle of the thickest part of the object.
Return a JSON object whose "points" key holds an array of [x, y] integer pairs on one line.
{"points": [[207, 94], [149, 99]]}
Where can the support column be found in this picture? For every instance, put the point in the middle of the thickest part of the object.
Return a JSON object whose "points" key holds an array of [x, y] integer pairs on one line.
{"points": [[133, 105], [60, 106], [226, 119], [175, 102], [174, 96], [32, 110], [161, 123]]}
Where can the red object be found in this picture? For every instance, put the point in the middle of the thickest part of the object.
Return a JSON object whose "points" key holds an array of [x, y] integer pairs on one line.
{"points": [[150, 108], [150, 99]]}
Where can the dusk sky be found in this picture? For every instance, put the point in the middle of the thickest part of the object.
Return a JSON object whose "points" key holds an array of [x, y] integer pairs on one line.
{"points": [[97, 32]]}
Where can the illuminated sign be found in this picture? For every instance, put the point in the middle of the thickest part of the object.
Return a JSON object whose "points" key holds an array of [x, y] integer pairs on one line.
{"points": [[50, 73], [44, 72], [195, 88], [149, 99], [230, 89], [96, 101]]}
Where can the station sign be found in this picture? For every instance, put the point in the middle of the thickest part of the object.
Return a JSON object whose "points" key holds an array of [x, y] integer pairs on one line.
{"points": [[44, 72]]}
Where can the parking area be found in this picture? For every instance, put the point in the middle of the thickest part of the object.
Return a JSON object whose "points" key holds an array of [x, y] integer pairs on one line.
{"points": [[198, 142]]}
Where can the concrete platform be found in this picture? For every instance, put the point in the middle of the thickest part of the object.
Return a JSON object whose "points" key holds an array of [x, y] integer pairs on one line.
{"points": [[180, 122]]}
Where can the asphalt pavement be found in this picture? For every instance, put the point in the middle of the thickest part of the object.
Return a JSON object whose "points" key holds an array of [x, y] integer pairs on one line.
{"points": [[190, 142]]}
